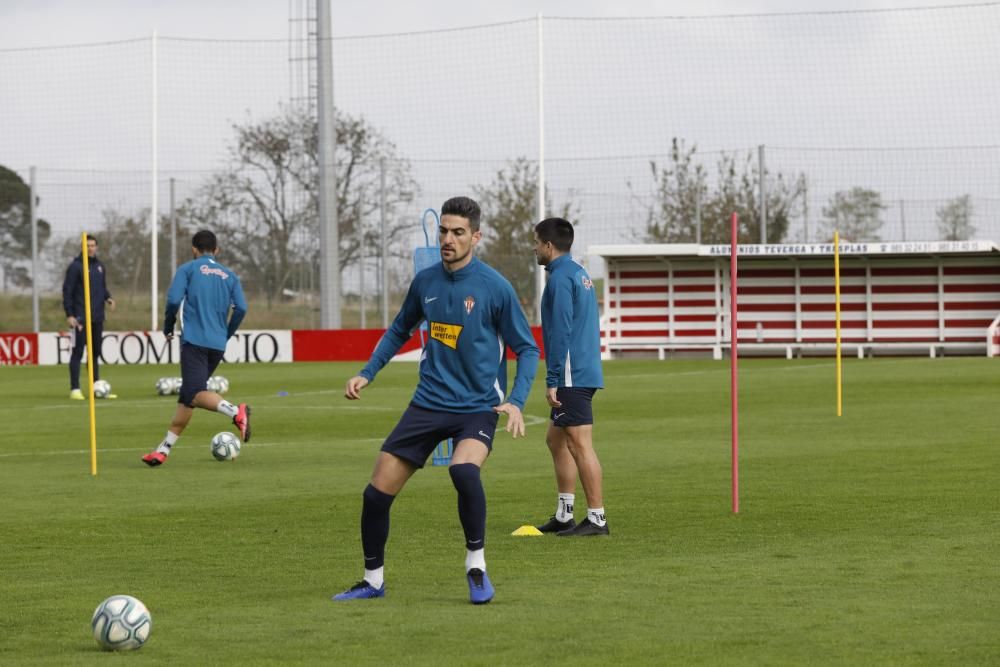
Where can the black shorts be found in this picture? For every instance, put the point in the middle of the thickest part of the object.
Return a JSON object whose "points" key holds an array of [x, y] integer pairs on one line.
{"points": [[576, 410], [197, 364], [420, 430]]}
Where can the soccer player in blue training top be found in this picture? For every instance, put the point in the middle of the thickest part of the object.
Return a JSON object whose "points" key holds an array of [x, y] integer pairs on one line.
{"points": [[472, 314], [571, 336], [208, 290], [74, 305]]}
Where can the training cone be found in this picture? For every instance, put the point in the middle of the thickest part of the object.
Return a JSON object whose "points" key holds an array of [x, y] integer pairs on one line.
{"points": [[526, 531]]}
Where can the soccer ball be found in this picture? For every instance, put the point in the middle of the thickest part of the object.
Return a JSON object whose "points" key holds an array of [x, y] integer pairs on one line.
{"points": [[225, 446], [165, 386], [175, 387], [101, 389], [218, 384], [121, 623]]}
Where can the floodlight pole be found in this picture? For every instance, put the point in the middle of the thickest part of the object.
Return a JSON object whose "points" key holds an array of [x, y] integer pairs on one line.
{"points": [[329, 233]]}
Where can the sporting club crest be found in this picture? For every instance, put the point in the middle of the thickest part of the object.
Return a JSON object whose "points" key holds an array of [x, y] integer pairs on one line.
{"points": [[470, 303]]}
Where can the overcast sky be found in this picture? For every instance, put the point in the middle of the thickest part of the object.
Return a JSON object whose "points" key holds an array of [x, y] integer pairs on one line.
{"points": [[26, 23], [616, 92]]}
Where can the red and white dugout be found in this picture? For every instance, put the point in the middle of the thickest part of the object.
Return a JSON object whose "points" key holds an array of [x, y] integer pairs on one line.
{"points": [[901, 297]]}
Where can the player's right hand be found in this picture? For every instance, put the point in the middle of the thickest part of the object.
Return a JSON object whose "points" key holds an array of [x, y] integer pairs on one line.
{"points": [[354, 386], [74, 323]]}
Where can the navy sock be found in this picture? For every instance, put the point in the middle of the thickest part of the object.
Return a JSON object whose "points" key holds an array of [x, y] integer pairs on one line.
{"points": [[375, 526], [471, 503]]}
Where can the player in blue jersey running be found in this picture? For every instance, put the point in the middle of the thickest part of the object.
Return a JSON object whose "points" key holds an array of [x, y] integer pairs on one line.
{"points": [[472, 314], [209, 291], [571, 336]]}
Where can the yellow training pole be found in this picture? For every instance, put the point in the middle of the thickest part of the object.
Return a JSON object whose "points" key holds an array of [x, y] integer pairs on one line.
{"points": [[90, 356], [836, 301]]}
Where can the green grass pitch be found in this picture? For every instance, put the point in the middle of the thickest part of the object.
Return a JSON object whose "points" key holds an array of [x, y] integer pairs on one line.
{"points": [[873, 538]]}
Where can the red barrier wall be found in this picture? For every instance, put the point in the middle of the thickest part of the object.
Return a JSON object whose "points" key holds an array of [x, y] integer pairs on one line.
{"points": [[354, 344]]}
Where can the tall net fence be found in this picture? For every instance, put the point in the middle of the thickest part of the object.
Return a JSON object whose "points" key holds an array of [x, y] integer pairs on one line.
{"points": [[879, 124]]}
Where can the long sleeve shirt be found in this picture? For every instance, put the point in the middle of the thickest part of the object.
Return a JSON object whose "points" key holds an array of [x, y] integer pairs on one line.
{"points": [[571, 327], [472, 315], [208, 290]]}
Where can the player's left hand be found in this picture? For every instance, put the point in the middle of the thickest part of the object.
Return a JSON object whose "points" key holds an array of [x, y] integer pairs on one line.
{"points": [[515, 420], [551, 396]]}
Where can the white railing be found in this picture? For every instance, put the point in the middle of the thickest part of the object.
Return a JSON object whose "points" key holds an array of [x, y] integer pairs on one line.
{"points": [[992, 338]]}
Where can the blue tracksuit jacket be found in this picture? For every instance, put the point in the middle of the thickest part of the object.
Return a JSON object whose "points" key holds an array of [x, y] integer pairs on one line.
{"points": [[208, 290], [571, 327], [472, 315]]}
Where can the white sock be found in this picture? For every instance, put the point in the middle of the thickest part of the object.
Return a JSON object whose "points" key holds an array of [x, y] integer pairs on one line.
{"points": [[227, 408], [564, 508], [168, 442], [475, 559], [596, 516], [375, 577]]}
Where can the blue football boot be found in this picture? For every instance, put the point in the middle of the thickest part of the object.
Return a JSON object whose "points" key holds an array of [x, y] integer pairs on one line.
{"points": [[361, 591], [480, 588]]}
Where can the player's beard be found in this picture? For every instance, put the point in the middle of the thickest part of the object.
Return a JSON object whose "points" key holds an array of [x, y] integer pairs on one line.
{"points": [[456, 258]]}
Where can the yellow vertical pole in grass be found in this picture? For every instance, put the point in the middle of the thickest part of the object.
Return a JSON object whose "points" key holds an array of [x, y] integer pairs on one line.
{"points": [[90, 356], [836, 301]]}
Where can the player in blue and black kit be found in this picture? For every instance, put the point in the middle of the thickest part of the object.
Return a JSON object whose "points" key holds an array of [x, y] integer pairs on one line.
{"points": [[472, 315], [209, 291], [571, 335]]}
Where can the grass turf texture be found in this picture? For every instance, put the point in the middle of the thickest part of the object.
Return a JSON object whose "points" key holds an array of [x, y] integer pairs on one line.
{"points": [[868, 539]]}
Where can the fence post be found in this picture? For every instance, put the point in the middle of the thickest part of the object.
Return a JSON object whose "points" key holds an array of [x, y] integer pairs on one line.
{"points": [[763, 194], [385, 243], [32, 207], [173, 230]]}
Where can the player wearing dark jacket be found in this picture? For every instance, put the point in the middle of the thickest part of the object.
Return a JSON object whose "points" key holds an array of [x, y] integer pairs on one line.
{"points": [[75, 308]]}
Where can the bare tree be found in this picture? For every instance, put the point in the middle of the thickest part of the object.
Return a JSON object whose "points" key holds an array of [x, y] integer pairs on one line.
{"points": [[856, 214], [682, 199], [510, 212], [264, 204], [954, 219]]}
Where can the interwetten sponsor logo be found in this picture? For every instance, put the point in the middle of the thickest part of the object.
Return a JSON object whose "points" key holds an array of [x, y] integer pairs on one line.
{"points": [[446, 333]]}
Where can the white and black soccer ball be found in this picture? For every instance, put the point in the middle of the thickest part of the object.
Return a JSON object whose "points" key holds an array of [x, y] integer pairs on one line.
{"points": [[225, 446], [175, 385], [165, 386], [121, 623], [222, 384], [213, 383], [102, 389]]}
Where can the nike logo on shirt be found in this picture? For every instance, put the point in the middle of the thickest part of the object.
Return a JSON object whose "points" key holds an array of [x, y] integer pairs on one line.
{"points": [[429, 299]]}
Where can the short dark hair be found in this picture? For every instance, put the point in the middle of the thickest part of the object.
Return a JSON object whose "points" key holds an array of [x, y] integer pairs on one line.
{"points": [[464, 208], [91, 237], [204, 241], [557, 231]]}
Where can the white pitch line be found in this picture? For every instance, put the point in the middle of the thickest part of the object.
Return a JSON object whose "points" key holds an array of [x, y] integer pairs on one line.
{"points": [[528, 420]]}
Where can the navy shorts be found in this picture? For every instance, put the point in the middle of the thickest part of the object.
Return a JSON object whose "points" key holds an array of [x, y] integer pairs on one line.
{"points": [[577, 408], [420, 430], [197, 364]]}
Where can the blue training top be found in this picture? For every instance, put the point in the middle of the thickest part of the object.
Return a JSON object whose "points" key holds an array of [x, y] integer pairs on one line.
{"points": [[208, 290], [571, 327], [472, 315]]}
